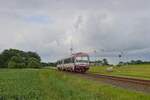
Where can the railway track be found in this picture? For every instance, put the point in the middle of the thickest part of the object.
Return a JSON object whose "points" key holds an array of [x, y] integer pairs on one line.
{"points": [[115, 78], [124, 82], [122, 79]]}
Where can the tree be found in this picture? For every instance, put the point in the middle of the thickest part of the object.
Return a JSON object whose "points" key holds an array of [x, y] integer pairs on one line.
{"points": [[121, 63], [7, 54], [139, 62], [16, 58], [34, 55], [49, 64], [99, 62], [11, 64], [16, 62], [1, 62], [33, 63], [105, 62]]}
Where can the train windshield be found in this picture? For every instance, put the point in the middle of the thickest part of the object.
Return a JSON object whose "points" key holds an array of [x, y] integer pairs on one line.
{"points": [[84, 59]]}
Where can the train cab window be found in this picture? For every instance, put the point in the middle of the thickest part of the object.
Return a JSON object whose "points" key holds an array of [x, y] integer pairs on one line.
{"points": [[82, 59]]}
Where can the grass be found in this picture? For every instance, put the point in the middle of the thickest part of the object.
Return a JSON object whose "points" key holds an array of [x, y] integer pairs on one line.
{"points": [[136, 71], [47, 84], [19, 84]]}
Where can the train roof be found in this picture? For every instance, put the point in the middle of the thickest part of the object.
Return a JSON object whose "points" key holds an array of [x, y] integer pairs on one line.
{"points": [[80, 54], [75, 55]]}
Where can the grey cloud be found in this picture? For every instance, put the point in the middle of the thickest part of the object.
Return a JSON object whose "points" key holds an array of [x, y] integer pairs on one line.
{"points": [[118, 25]]}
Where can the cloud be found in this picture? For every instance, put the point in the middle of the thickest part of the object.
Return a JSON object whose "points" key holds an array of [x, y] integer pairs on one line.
{"points": [[49, 26]]}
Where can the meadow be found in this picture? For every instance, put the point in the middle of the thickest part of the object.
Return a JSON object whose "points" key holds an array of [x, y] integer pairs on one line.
{"points": [[48, 84], [135, 71]]}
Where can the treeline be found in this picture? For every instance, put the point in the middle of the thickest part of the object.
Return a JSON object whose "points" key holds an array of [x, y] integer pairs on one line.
{"points": [[49, 64], [102, 62], [134, 62], [13, 58]]}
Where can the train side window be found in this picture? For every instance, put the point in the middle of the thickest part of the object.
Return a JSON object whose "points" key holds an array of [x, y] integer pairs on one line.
{"points": [[62, 62], [68, 60], [65, 61], [72, 60]]}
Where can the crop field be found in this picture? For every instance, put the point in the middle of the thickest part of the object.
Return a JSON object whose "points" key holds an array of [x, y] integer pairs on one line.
{"points": [[135, 71], [48, 84]]}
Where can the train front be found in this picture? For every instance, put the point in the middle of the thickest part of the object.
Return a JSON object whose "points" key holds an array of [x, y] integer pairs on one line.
{"points": [[81, 62]]}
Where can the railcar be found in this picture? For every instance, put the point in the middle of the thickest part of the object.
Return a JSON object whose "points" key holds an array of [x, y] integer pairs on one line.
{"points": [[78, 62]]}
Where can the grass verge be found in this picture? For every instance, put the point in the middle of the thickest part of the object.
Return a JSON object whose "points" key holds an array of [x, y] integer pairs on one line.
{"points": [[135, 71], [47, 84]]}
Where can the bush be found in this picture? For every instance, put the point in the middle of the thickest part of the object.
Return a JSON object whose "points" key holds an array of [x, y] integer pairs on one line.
{"points": [[11, 64], [33, 63], [16, 62], [14, 58]]}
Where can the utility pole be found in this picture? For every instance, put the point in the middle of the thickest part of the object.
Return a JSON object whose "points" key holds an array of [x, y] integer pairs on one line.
{"points": [[121, 56], [71, 48], [95, 57]]}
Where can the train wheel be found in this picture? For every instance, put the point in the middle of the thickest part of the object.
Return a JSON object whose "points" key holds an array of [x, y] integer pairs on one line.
{"points": [[79, 70], [71, 70], [59, 69], [84, 71]]}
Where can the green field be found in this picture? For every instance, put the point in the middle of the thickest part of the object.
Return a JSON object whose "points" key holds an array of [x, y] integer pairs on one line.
{"points": [[48, 84], [136, 71]]}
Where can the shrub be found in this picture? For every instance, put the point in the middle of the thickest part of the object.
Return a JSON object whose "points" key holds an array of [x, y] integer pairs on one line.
{"points": [[16, 62], [33, 63], [16, 58], [11, 64]]}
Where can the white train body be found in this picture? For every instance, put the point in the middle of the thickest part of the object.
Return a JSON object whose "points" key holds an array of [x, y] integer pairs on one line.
{"points": [[78, 62]]}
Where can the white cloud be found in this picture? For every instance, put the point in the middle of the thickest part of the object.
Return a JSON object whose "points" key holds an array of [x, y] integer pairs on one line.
{"points": [[47, 26]]}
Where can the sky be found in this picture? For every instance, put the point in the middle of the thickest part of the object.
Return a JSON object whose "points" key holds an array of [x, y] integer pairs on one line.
{"points": [[50, 27]]}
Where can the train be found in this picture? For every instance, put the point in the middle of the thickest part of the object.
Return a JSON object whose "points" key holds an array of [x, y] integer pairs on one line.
{"points": [[78, 62]]}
